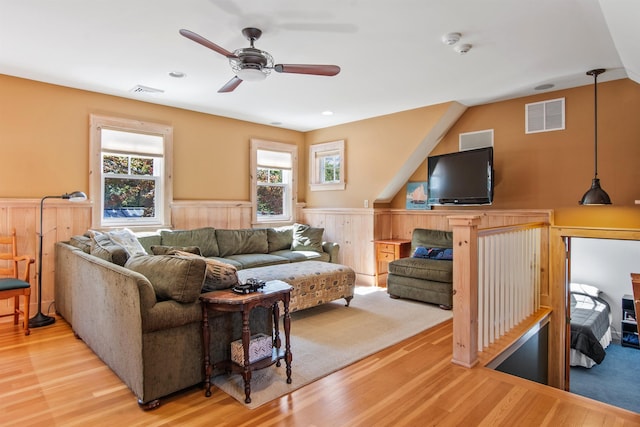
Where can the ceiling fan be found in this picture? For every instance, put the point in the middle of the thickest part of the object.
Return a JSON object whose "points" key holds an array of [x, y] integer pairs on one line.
{"points": [[253, 64]]}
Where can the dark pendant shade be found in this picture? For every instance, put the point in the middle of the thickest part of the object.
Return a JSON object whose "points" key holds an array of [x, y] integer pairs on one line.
{"points": [[596, 195]]}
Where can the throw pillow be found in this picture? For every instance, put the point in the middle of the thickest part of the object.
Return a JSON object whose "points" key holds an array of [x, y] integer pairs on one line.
{"points": [[172, 277], [306, 238], [128, 241], [102, 247], [166, 250], [220, 275], [433, 253]]}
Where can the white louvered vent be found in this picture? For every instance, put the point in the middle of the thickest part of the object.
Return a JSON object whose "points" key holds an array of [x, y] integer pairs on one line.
{"points": [[473, 140], [544, 116], [145, 89]]}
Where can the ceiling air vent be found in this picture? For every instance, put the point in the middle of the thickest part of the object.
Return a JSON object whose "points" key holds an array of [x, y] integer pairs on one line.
{"points": [[145, 89], [544, 116]]}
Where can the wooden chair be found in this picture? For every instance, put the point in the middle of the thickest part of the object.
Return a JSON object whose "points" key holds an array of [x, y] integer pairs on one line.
{"points": [[10, 285]]}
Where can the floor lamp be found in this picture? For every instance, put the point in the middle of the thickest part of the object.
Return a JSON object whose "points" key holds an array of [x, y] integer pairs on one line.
{"points": [[41, 319]]}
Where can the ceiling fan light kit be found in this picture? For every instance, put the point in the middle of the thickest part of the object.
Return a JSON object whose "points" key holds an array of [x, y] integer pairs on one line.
{"points": [[251, 64]]}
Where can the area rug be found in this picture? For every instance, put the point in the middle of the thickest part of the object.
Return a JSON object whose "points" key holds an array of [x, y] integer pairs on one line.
{"points": [[329, 337]]}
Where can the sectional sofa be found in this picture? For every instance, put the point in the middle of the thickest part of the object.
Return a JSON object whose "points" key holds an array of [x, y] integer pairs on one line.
{"points": [[141, 315]]}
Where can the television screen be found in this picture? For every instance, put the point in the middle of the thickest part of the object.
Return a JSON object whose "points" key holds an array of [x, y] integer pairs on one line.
{"points": [[462, 178]]}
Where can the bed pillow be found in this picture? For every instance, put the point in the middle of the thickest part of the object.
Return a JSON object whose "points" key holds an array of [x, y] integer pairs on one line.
{"points": [[585, 289], [306, 238], [433, 253]]}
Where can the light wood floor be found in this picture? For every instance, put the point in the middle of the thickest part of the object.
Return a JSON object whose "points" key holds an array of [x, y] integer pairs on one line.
{"points": [[51, 378]]}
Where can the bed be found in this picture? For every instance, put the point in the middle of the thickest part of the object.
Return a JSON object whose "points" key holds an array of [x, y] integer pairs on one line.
{"points": [[590, 326]]}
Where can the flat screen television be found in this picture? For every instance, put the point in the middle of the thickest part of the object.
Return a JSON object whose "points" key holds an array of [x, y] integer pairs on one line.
{"points": [[462, 178]]}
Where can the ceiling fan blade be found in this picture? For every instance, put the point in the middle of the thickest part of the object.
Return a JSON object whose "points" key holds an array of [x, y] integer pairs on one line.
{"points": [[230, 85], [206, 43], [317, 70]]}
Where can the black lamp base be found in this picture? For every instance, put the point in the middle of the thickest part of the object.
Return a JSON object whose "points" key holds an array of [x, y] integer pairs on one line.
{"points": [[40, 320]]}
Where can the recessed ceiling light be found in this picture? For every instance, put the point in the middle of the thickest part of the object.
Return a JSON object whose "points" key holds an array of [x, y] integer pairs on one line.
{"points": [[327, 113], [544, 86], [177, 74], [276, 123]]}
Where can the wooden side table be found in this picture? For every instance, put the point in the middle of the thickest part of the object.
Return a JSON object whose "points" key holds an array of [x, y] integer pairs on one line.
{"points": [[386, 251], [226, 300]]}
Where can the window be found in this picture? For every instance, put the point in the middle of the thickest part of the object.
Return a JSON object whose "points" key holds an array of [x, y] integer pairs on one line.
{"points": [[130, 173], [326, 166], [273, 194]]}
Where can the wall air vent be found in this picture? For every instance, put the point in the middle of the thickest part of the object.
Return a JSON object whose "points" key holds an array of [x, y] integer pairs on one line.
{"points": [[473, 140], [544, 116], [145, 89]]}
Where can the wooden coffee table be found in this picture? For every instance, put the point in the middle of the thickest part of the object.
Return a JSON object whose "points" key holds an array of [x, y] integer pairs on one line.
{"points": [[228, 301]]}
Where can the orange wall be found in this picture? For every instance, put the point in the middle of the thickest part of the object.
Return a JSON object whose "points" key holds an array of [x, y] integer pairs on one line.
{"points": [[375, 150], [552, 170], [44, 130]]}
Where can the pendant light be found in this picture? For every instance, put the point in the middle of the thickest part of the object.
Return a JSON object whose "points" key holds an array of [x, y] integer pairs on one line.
{"points": [[595, 195]]}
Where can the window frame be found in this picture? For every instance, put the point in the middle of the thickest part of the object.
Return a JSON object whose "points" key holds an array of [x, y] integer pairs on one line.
{"points": [[96, 177], [291, 196], [316, 171]]}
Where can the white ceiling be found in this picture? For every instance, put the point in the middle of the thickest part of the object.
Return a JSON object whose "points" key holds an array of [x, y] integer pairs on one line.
{"points": [[390, 52]]}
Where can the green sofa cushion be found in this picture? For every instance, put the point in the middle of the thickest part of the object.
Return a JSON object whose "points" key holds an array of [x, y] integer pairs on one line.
{"points": [[256, 260], [172, 277], [204, 238], [306, 238], [297, 256], [167, 250], [149, 239], [422, 268], [279, 238], [243, 241]]}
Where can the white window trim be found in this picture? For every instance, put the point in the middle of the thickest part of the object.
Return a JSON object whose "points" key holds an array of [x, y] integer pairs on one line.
{"points": [[258, 144], [315, 171], [97, 122]]}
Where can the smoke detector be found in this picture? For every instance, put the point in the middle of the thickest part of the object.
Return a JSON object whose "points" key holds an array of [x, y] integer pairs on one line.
{"points": [[463, 48], [451, 38]]}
